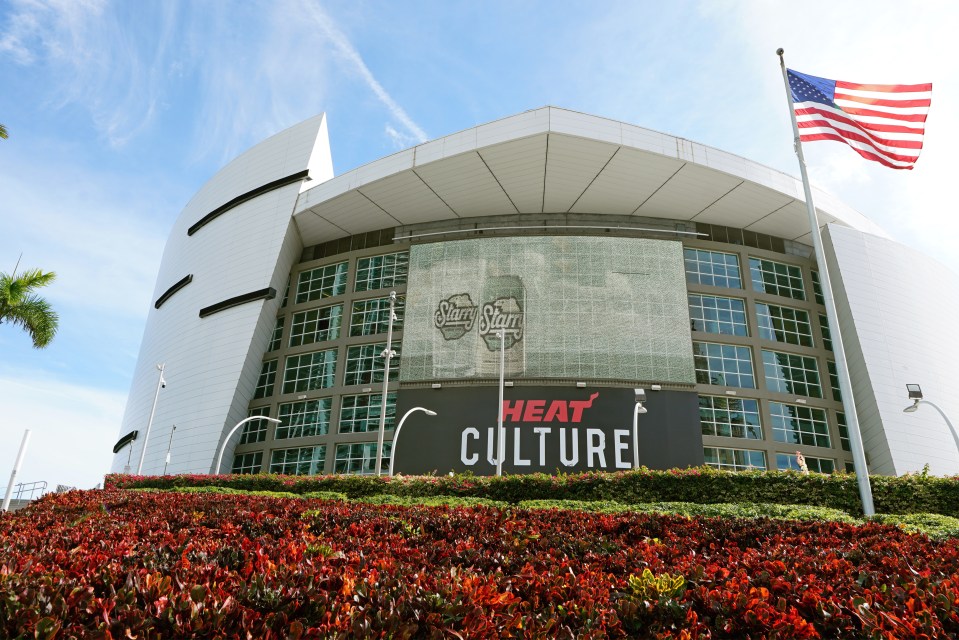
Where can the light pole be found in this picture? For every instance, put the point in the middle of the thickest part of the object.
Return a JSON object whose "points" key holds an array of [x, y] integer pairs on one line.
{"points": [[396, 434], [915, 394], [239, 424], [638, 409], [16, 469], [168, 447], [161, 384], [500, 434], [387, 354]]}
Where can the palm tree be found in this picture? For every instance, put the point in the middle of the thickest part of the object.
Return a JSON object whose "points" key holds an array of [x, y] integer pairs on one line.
{"points": [[3, 131], [22, 308]]}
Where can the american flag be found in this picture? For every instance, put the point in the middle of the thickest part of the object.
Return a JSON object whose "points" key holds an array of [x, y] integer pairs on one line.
{"points": [[882, 122]]}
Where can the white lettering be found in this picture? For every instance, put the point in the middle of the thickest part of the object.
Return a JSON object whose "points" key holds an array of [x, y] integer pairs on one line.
{"points": [[517, 460], [597, 448], [490, 443], [469, 459], [542, 431], [619, 435], [569, 462]]}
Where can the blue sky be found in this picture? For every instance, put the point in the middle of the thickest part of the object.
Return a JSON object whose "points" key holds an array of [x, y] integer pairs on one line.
{"points": [[119, 110]]}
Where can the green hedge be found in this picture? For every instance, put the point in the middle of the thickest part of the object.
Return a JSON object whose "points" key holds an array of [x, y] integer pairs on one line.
{"points": [[892, 495], [716, 510]]}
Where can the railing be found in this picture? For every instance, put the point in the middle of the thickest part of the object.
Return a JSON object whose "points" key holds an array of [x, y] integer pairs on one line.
{"points": [[26, 490]]}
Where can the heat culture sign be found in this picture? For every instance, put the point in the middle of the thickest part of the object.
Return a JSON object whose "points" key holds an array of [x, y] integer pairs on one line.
{"points": [[546, 429]]}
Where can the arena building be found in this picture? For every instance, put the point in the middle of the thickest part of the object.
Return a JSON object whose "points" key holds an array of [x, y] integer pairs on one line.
{"points": [[598, 256]]}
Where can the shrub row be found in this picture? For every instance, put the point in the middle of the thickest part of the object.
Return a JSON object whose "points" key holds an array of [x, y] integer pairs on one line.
{"points": [[934, 525], [166, 564], [892, 495]]}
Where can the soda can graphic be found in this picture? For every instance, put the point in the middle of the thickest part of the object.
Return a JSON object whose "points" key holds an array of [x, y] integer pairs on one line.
{"points": [[503, 308]]}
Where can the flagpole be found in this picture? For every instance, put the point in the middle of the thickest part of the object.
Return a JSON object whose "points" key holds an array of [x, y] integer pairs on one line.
{"points": [[845, 384]]}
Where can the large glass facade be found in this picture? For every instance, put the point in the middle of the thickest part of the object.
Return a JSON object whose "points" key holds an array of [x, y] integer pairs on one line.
{"points": [[591, 309], [570, 308]]}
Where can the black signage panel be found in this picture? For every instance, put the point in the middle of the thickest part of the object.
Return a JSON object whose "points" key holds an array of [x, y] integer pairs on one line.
{"points": [[546, 429]]}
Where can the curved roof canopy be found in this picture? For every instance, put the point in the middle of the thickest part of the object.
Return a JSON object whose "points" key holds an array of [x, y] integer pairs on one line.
{"points": [[551, 160]]}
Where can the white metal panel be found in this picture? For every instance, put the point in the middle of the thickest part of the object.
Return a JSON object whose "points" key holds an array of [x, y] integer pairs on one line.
{"points": [[629, 179], [743, 206], [407, 198], [248, 248], [899, 305], [520, 168], [688, 192], [466, 185], [571, 165]]}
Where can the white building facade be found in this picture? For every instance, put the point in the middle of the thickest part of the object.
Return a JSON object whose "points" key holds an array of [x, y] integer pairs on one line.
{"points": [[616, 258]]}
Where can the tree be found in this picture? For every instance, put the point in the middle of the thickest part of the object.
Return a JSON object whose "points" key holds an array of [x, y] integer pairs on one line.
{"points": [[3, 131], [21, 307]]}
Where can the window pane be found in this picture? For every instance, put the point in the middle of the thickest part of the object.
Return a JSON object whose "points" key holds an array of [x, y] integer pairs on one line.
{"points": [[247, 462], [301, 461], [784, 324], [310, 371], [791, 373], [730, 417], [735, 459], [255, 430], [381, 272], [316, 325], [277, 338], [364, 364], [304, 419], [723, 364], [776, 278], [264, 385], [714, 314], [370, 317], [361, 413], [322, 282], [359, 458], [786, 461], [712, 268], [799, 425]]}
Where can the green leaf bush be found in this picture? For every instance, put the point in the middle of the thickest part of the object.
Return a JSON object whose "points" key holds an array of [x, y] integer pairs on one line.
{"points": [[892, 495]]}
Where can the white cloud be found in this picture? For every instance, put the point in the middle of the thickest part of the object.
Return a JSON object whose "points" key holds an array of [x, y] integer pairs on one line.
{"points": [[72, 429], [346, 50]]}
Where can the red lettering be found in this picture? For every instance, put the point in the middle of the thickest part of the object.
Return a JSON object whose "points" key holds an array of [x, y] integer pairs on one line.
{"points": [[557, 411], [513, 413], [534, 411], [580, 405]]}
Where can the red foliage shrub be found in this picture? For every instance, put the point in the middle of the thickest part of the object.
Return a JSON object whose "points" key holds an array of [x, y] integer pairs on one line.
{"points": [[116, 564]]}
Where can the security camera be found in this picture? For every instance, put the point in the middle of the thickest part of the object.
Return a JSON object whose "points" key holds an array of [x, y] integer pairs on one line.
{"points": [[162, 383]]}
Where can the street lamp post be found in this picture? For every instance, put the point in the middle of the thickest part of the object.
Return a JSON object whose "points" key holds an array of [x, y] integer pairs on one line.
{"points": [[161, 384], [396, 434], [500, 433], [387, 354], [638, 409], [219, 458], [915, 394], [16, 469], [168, 448]]}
